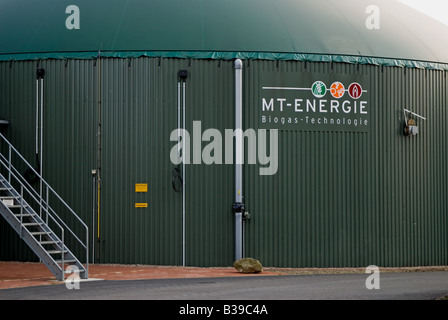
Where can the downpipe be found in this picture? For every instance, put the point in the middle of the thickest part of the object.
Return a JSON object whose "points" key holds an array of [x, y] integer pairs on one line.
{"points": [[238, 206]]}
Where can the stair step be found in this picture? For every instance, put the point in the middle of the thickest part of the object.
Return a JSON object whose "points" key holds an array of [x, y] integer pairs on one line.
{"points": [[48, 242], [32, 224], [40, 233], [8, 197], [15, 206], [80, 271], [56, 251], [25, 215], [67, 261]]}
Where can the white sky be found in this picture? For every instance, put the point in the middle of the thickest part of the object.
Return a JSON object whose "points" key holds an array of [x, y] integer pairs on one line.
{"points": [[438, 9]]}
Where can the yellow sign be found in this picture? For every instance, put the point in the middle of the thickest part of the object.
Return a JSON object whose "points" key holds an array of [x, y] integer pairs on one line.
{"points": [[141, 205], [141, 187]]}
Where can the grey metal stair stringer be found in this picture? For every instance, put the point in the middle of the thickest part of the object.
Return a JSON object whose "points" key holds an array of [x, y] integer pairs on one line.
{"points": [[36, 233], [46, 233]]}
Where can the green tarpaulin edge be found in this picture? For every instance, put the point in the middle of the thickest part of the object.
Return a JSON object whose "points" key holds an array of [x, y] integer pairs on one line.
{"points": [[228, 55]]}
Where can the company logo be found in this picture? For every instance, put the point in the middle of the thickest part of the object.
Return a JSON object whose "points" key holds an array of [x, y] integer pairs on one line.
{"points": [[322, 104], [337, 90], [355, 90], [319, 89]]}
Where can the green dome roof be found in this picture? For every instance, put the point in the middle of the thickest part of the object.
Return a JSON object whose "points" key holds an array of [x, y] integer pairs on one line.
{"points": [[315, 30]]}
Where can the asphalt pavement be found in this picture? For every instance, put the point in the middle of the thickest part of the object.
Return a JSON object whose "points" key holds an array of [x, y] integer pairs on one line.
{"points": [[386, 286]]}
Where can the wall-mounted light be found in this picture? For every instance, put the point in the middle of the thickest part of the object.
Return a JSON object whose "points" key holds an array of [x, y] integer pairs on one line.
{"points": [[410, 127]]}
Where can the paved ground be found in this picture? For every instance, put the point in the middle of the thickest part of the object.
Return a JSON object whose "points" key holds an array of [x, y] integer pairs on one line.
{"points": [[393, 286], [28, 281], [18, 274]]}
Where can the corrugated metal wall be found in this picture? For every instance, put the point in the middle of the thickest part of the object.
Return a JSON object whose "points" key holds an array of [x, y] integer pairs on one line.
{"points": [[339, 198], [137, 102], [355, 198], [17, 104], [139, 112], [69, 125], [209, 188]]}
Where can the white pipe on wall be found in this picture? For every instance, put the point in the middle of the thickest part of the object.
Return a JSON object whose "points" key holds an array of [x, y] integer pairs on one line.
{"points": [[239, 158], [183, 180]]}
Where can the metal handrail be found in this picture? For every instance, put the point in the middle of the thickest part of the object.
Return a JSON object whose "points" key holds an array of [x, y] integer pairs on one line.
{"points": [[44, 204], [23, 188]]}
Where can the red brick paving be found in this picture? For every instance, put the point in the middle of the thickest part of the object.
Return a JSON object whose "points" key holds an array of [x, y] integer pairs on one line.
{"points": [[25, 274]]}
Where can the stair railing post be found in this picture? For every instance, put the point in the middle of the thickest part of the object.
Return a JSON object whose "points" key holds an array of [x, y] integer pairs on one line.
{"points": [[62, 255], [87, 252], [47, 206], [21, 211], [9, 164]]}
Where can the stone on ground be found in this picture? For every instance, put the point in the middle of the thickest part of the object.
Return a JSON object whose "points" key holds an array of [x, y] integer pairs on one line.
{"points": [[248, 265]]}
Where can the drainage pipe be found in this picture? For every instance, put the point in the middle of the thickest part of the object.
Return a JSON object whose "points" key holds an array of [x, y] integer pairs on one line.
{"points": [[98, 157], [40, 74], [41, 163], [37, 117], [181, 95], [183, 178], [238, 206]]}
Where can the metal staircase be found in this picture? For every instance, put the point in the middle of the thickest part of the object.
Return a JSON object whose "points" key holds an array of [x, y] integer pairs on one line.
{"points": [[30, 214]]}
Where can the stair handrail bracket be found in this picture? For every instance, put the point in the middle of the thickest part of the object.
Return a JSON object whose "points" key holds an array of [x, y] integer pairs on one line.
{"points": [[40, 214]]}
